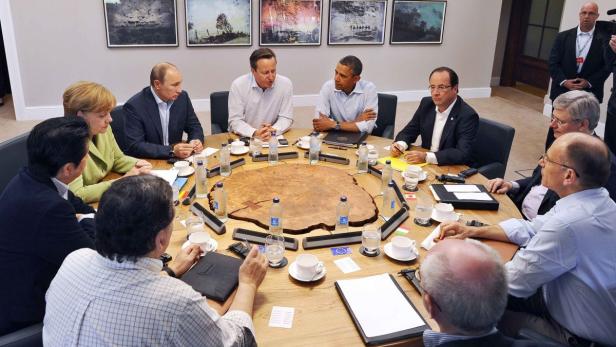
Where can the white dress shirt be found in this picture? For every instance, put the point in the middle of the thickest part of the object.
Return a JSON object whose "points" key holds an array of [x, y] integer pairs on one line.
{"points": [[532, 201], [583, 40], [250, 105], [339, 106], [570, 254], [95, 301], [163, 111]]}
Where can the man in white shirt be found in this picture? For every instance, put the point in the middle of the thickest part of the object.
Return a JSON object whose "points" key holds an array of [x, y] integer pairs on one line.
{"points": [[446, 123], [260, 102], [347, 102], [117, 295]]}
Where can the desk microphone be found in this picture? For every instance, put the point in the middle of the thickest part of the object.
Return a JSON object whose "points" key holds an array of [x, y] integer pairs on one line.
{"points": [[450, 178]]}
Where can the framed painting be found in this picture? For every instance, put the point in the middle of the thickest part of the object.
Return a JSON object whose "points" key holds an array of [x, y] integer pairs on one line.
{"points": [[141, 23], [357, 22], [218, 22], [290, 22], [417, 22]]}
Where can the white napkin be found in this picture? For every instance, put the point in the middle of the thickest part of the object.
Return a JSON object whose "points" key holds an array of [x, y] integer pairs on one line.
{"points": [[428, 243]]}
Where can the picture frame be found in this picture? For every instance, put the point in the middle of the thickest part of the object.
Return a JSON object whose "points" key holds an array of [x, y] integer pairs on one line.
{"points": [[417, 22], [290, 22], [218, 23], [141, 23], [357, 22]]}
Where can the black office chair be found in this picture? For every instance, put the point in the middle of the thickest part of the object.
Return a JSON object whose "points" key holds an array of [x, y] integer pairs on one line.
{"points": [[13, 155], [219, 111], [118, 114], [31, 336], [386, 118], [491, 148]]}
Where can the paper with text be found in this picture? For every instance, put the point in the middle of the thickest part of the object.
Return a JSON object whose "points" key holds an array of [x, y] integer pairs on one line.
{"points": [[282, 317], [462, 188], [473, 196], [347, 265]]}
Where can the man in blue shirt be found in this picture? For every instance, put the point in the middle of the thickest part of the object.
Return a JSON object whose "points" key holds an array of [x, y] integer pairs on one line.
{"points": [[347, 102], [563, 283]]}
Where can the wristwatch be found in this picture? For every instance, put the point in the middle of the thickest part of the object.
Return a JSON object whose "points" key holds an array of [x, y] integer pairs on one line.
{"points": [[337, 126], [169, 272]]}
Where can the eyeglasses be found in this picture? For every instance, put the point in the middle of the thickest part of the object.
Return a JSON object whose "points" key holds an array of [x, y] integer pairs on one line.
{"points": [[417, 275], [561, 122], [545, 158], [440, 88]]}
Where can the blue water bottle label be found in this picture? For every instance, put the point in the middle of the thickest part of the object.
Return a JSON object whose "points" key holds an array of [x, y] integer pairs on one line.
{"points": [[216, 205], [344, 220], [275, 221], [392, 204]]}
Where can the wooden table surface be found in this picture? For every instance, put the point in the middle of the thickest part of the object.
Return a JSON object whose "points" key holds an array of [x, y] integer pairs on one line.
{"points": [[321, 318]]}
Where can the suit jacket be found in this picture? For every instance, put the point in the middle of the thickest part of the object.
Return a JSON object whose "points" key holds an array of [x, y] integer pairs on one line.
{"points": [[550, 197], [144, 132], [105, 156], [493, 340], [562, 63], [38, 229], [458, 134]]}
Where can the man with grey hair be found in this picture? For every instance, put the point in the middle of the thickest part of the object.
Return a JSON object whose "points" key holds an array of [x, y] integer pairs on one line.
{"points": [[574, 111], [465, 291], [562, 283]]}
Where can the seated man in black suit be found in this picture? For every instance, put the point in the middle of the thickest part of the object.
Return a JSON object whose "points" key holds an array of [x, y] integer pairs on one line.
{"points": [[446, 123], [574, 111], [41, 221], [465, 292], [157, 117]]}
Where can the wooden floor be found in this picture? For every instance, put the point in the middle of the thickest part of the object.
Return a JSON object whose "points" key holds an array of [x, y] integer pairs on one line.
{"points": [[507, 105]]}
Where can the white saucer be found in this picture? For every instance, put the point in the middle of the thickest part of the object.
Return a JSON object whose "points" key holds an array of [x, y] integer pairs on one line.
{"points": [[243, 151], [457, 216], [189, 171], [294, 274], [299, 144], [390, 254], [422, 176], [213, 245]]}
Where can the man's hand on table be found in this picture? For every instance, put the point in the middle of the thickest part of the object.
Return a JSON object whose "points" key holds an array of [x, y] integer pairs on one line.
{"points": [[184, 259], [367, 115], [499, 186], [454, 230], [253, 269], [182, 150], [323, 123], [396, 150], [197, 145], [415, 157], [264, 132]]}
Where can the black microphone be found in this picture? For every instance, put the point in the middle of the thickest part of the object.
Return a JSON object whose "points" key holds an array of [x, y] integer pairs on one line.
{"points": [[611, 12]]}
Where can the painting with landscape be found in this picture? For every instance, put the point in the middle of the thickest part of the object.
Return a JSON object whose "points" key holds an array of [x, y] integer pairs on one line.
{"points": [[290, 22], [136, 23], [418, 21], [218, 22], [353, 22]]}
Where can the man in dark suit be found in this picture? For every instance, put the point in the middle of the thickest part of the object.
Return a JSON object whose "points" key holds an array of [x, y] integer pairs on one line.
{"points": [[41, 221], [577, 59], [610, 120], [574, 111], [158, 116], [465, 292], [446, 123]]}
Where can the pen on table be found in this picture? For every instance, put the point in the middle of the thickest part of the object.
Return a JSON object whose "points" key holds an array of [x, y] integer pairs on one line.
{"points": [[186, 201], [340, 148]]}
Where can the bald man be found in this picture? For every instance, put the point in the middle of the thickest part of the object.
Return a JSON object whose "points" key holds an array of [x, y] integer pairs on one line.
{"points": [[158, 116], [563, 283], [577, 60], [465, 291]]}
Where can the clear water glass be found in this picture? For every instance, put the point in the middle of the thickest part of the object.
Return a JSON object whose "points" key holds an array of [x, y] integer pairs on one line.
{"points": [[274, 249], [370, 241]]}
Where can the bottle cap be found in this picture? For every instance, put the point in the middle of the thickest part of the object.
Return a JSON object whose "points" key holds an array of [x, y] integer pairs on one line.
{"points": [[390, 184], [199, 162], [223, 145], [343, 198], [364, 143], [388, 162], [219, 185], [276, 200]]}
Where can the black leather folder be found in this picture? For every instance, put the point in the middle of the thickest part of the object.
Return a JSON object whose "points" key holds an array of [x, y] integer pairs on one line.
{"points": [[215, 276], [442, 195]]}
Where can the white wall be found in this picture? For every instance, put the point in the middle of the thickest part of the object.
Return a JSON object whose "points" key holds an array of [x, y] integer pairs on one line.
{"points": [[51, 44]]}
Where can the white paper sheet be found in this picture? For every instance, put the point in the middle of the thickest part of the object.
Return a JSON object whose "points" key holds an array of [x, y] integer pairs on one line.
{"points": [[347, 265], [428, 242], [473, 196], [167, 175], [462, 188], [282, 317], [389, 314]]}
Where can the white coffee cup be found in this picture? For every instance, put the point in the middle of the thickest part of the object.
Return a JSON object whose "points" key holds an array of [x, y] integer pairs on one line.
{"points": [[237, 146], [308, 265], [412, 171], [201, 239], [182, 166], [411, 182], [444, 212], [403, 247]]}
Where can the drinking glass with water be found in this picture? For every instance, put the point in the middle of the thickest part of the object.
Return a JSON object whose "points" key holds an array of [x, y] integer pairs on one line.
{"points": [[274, 249]]}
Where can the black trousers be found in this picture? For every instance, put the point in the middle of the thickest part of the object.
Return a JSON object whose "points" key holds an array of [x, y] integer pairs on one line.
{"points": [[609, 135]]}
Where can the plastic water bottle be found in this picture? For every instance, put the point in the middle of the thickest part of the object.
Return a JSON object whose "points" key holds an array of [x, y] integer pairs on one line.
{"points": [[315, 148], [220, 202], [386, 176], [225, 161], [342, 215], [389, 201], [201, 180], [275, 227], [362, 160], [273, 149]]}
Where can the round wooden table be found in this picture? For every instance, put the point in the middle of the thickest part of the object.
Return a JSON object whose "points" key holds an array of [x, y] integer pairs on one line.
{"points": [[321, 318]]}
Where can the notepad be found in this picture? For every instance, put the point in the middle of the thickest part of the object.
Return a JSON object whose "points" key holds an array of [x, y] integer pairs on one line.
{"points": [[399, 164], [167, 175], [473, 196]]}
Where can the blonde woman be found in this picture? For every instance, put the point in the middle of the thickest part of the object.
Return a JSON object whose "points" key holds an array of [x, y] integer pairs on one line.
{"points": [[93, 102]]}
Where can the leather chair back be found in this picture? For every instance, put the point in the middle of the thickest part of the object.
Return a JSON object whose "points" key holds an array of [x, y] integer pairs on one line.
{"points": [[219, 110], [386, 118]]}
